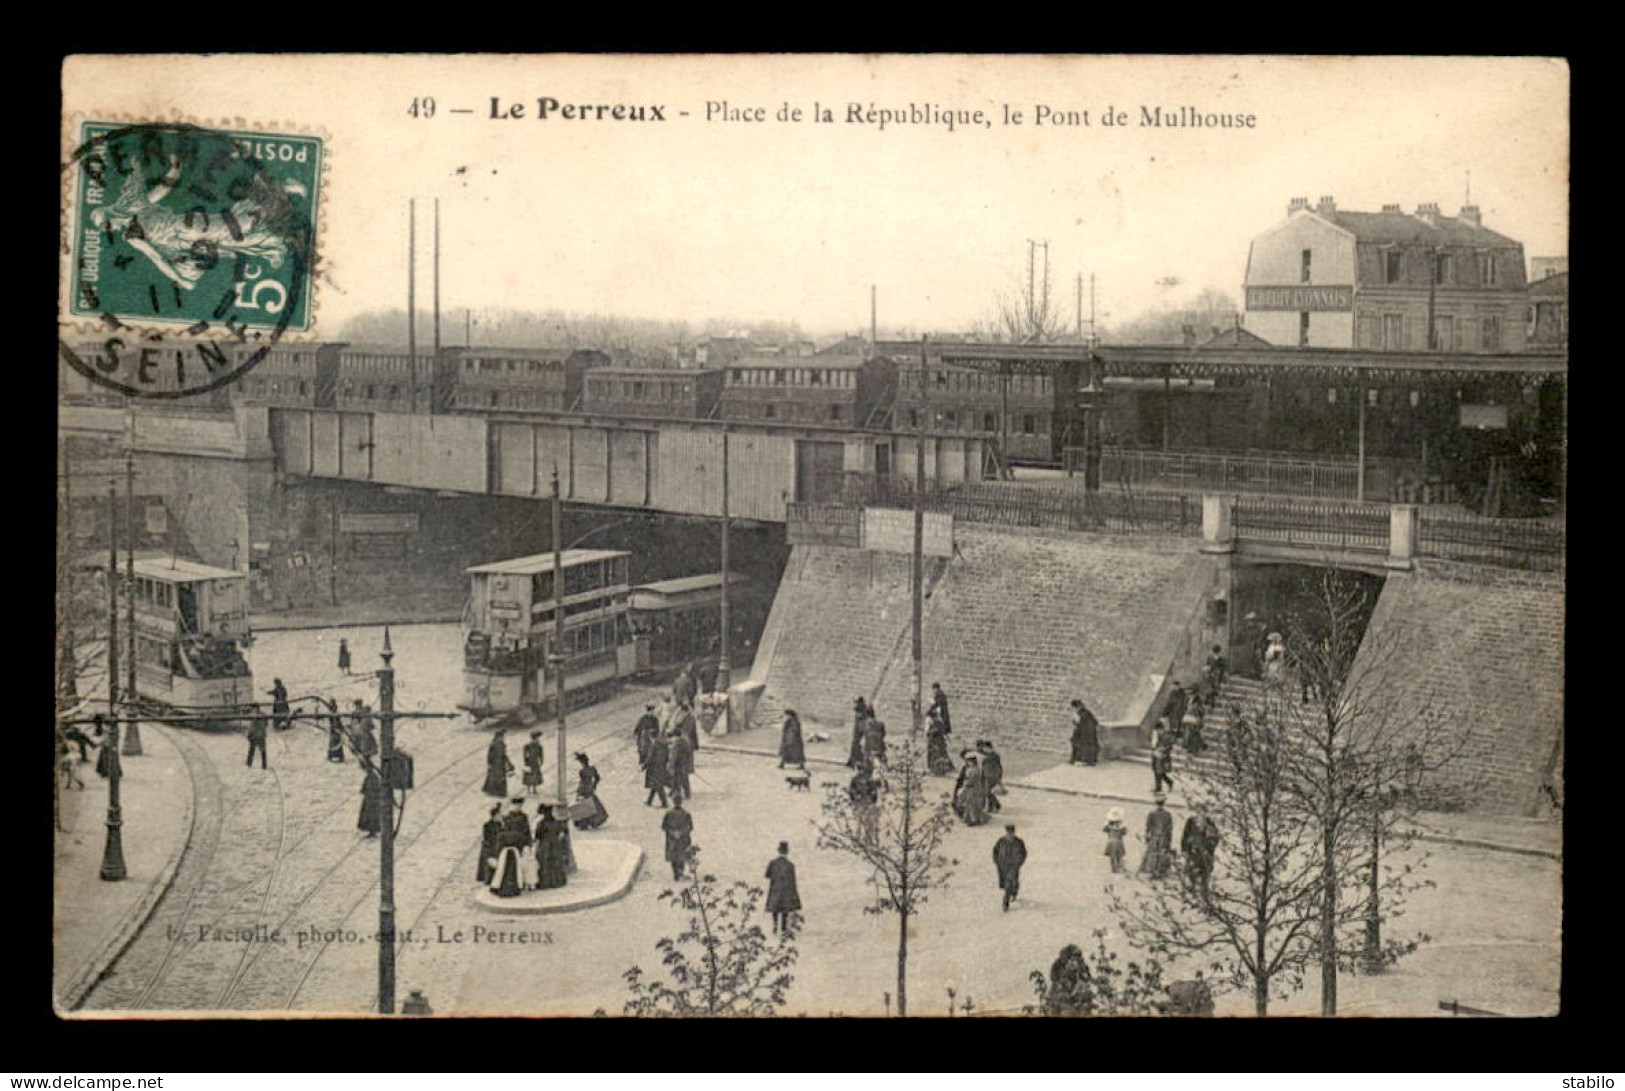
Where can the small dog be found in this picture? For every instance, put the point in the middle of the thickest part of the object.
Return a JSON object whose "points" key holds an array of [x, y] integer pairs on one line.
{"points": [[818, 736], [800, 782]]}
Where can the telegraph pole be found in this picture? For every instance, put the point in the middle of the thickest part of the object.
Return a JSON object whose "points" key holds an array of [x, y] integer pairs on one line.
{"points": [[132, 740], [386, 835], [558, 660], [724, 668], [412, 294], [917, 567]]}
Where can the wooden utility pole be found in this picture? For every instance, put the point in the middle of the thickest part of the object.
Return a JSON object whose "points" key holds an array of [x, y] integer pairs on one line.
{"points": [[558, 659], [386, 834], [917, 568], [724, 668], [412, 295]]}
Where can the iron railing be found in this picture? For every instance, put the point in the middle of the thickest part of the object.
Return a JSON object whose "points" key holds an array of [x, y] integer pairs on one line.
{"points": [[1360, 527], [1056, 505], [1512, 543]]}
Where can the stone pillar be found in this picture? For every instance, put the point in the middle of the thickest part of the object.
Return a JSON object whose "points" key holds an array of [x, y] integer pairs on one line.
{"points": [[1401, 536], [1218, 535]]}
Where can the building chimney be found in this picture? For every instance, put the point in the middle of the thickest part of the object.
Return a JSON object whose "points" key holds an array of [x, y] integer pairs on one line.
{"points": [[1469, 213], [1392, 210], [1189, 336], [1326, 207], [1298, 204], [1428, 213]]}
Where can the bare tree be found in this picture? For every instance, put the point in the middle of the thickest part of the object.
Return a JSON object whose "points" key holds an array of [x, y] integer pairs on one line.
{"points": [[899, 838], [722, 963], [1255, 913], [1364, 764]]}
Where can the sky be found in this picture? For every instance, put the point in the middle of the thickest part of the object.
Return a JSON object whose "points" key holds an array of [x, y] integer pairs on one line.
{"points": [[693, 218]]}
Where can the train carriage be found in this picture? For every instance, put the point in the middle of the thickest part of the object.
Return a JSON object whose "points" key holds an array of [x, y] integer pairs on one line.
{"points": [[509, 663]]}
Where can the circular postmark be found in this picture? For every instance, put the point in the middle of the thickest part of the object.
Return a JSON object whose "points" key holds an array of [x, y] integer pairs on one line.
{"points": [[192, 250]]}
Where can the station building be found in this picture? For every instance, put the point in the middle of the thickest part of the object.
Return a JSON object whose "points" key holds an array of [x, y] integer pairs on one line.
{"points": [[1386, 281]]}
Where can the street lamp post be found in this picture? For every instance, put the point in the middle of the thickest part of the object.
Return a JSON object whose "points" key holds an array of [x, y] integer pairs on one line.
{"points": [[917, 567], [113, 869], [386, 835], [132, 739]]}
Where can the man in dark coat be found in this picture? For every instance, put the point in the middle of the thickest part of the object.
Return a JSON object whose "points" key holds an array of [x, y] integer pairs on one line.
{"points": [[488, 844], [874, 743], [792, 747], [1199, 842], [860, 718], [1009, 853], [647, 728], [256, 742], [684, 688], [344, 657], [939, 705], [279, 704], [656, 770], [1159, 841], [679, 829], [782, 896], [1174, 709], [993, 774], [1162, 755], [681, 764], [1085, 734]]}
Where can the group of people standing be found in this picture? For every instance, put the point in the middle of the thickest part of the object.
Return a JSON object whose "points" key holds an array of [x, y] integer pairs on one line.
{"points": [[666, 753], [514, 858], [589, 812], [981, 778], [1199, 843]]}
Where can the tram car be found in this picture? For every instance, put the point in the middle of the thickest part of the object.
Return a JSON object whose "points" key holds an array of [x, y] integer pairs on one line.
{"points": [[191, 624], [508, 668], [678, 622]]}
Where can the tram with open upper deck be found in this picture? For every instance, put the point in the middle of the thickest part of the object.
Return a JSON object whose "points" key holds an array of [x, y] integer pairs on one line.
{"points": [[191, 624], [509, 662]]}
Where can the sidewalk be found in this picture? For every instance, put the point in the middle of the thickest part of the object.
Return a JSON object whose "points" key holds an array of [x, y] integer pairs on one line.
{"points": [[396, 612], [96, 920], [1127, 781]]}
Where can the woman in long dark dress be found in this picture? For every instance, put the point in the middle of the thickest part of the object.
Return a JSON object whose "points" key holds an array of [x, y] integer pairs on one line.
{"points": [[937, 759], [587, 789], [371, 821], [1085, 734], [508, 880], [488, 844], [792, 748], [861, 711], [534, 755], [970, 796], [497, 766], [551, 863]]}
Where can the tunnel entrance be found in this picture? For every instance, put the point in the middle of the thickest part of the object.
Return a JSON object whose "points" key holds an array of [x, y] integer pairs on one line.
{"points": [[1281, 598]]}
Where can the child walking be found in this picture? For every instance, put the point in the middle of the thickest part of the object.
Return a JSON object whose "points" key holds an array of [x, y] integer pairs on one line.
{"points": [[1115, 833]]}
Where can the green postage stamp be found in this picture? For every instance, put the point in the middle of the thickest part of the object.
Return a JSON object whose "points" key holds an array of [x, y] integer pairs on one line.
{"points": [[211, 230]]}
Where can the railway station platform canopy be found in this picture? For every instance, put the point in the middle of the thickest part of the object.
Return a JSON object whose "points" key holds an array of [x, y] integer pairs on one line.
{"points": [[543, 562], [1182, 361]]}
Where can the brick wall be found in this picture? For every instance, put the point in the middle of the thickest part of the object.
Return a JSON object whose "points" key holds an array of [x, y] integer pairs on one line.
{"points": [[1014, 628], [1483, 661]]}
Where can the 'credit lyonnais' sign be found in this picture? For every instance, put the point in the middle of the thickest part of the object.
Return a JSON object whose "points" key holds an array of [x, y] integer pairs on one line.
{"points": [[1300, 297]]}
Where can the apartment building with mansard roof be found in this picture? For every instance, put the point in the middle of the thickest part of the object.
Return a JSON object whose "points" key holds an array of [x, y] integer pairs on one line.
{"points": [[1388, 280]]}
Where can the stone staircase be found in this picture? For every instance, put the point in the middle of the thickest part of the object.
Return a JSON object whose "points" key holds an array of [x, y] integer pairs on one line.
{"points": [[1243, 693]]}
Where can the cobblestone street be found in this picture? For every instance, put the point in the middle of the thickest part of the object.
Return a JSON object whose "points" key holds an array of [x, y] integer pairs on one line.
{"points": [[274, 905]]}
